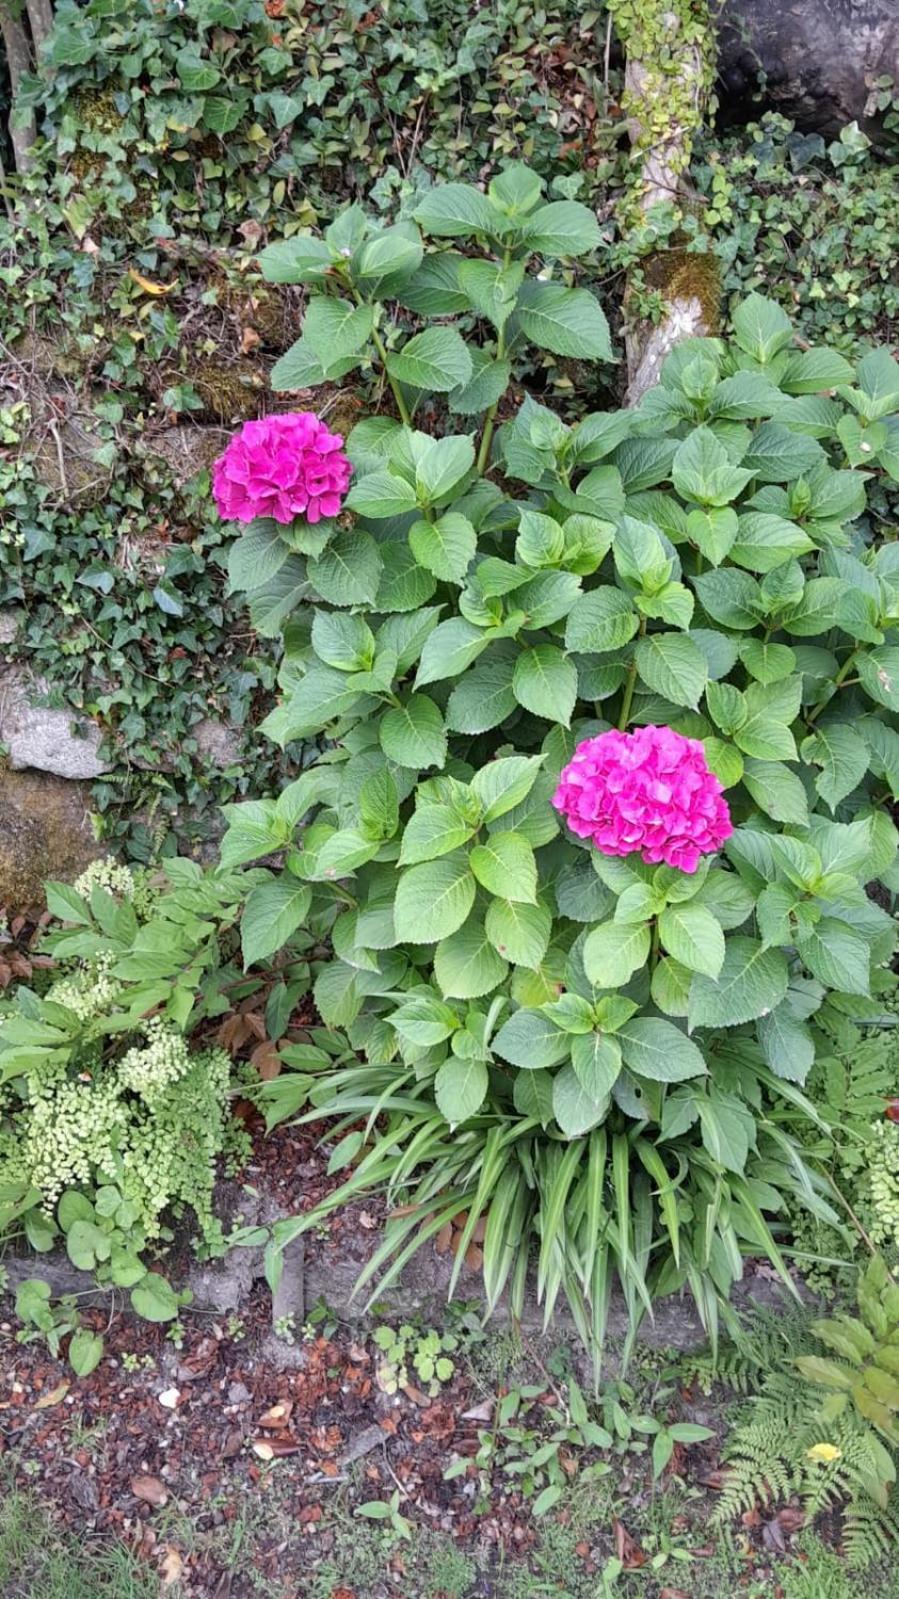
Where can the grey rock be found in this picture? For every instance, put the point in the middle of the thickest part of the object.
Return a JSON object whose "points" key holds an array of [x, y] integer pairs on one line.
{"points": [[289, 1298], [43, 739], [218, 742], [9, 626], [45, 833]]}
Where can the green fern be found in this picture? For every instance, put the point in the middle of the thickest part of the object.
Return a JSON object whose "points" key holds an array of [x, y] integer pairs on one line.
{"points": [[764, 1343], [870, 1532], [768, 1464]]}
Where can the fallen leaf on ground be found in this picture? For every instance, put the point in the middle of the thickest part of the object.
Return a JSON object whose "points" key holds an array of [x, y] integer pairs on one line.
{"points": [[278, 1415], [171, 1568], [627, 1548], [54, 1397], [481, 1412], [150, 1490]]}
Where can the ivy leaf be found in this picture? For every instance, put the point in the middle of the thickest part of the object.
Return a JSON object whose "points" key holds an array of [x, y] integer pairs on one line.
{"points": [[433, 900], [752, 982]]}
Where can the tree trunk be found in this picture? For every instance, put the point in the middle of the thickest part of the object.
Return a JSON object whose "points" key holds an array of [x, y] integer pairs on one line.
{"points": [[667, 76], [40, 20], [813, 60], [22, 131]]}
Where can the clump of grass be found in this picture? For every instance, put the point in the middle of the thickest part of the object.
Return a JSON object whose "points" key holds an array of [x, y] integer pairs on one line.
{"points": [[39, 1561]]}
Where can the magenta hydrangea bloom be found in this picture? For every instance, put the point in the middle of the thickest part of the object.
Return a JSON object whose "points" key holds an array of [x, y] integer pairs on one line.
{"points": [[283, 467], [650, 790]]}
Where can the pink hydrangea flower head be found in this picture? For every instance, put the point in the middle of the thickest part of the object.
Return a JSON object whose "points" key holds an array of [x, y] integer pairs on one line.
{"points": [[650, 791], [283, 467]]}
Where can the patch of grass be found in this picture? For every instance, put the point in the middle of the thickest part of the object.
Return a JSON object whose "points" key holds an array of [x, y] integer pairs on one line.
{"points": [[37, 1561]]}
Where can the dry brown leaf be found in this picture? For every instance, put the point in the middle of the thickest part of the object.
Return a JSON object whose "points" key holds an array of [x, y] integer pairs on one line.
{"points": [[277, 1416], [266, 1060], [171, 1567], [481, 1412], [54, 1397], [150, 1490], [249, 341]]}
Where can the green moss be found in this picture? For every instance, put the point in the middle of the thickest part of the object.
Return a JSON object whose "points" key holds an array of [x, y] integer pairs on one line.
{"points": [[229, 392], [680, 274]]}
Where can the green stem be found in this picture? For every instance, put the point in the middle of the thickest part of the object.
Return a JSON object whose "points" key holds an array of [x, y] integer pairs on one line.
{"points": [[402, 407], [628, 697], [838, 681], [655, 946], [490, 418]]}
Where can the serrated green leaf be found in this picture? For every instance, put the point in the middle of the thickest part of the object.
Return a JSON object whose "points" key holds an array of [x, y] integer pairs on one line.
{"points": [[505, 866], [752, 981], [466, 965], [519, 933], [530, 1041], [436, 360], [674, 666], [459, 1089], [433, 900], [658, 1050], [272, 912], [614, 951], [693, 936], [413, 734], [545, 682], [566, 321]]}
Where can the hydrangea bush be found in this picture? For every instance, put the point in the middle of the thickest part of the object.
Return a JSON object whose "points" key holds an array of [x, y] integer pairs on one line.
{"points": [[610, 711]]}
